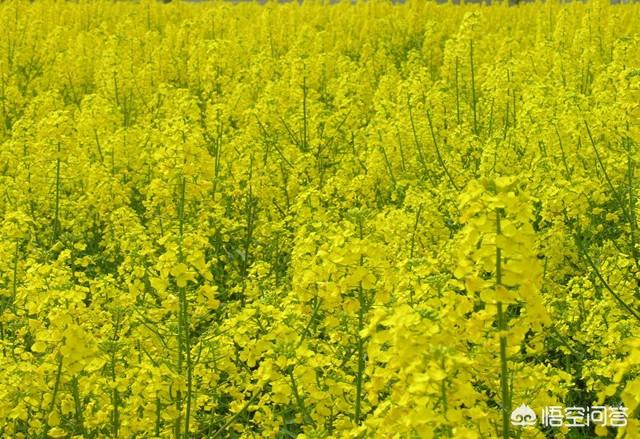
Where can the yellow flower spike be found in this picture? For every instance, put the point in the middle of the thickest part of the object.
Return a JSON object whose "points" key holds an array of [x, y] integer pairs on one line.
{"points": [[281, 158]]}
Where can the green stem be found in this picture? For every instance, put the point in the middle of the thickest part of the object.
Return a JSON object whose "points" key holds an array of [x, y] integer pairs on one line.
{"points": [[624, 304], [56, 219], [14, 289], [435, 143], [415, 229], [564, 156], [360, 343], [56, 386], [421, 158], [4, 351], [490, 129], [115, 415], [316, 308], [298, 398], [457, 95], [386, 161], [305, 127], [401, 150], [515, 118], [216, 169], [443, 390], [99, 146], [502, 327], [184, 339], [78, 405], [236, 415], [473, 90], [158, 416]]}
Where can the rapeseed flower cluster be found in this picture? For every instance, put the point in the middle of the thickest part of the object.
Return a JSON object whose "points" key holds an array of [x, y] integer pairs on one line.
{"points": [[317, 221]]}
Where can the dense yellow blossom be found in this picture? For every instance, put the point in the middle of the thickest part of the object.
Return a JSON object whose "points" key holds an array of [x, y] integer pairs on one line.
{"points": [[317, 221]]}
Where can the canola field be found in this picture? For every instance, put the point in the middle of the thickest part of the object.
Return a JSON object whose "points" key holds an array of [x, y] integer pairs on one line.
{"points": [[315, 221]]}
